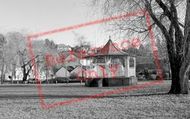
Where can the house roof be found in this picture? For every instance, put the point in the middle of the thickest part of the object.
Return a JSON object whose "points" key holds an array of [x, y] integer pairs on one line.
{"points": [[62, 72], [109, 49]]}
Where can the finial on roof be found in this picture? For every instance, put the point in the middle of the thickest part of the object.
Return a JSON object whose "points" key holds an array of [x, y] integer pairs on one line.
{"points": [[109, 38]]}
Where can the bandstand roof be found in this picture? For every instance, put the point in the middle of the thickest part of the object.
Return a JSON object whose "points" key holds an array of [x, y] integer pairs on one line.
{"points": [[109, 49]]}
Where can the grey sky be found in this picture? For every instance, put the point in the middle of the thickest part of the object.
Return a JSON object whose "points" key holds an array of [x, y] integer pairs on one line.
{"points": [[33, 16]]}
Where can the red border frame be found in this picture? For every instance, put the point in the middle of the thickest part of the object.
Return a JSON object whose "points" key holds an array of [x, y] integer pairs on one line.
{"points": [[44, 105]]}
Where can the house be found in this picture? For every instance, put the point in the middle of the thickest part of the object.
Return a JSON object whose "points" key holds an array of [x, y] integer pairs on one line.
{"points": [[72, 61], [62, 73], [77, 73], [110, 66]]}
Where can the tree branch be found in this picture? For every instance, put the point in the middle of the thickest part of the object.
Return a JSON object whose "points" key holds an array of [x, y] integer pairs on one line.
{"points": [[157, 22]]}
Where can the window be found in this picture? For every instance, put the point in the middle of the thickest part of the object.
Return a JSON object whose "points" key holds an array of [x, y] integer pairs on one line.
{"points": [[131, 62], [115, 61], [100, 60], [118, 61]]}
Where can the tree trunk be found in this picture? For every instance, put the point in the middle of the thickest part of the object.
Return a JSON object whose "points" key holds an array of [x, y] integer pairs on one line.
{"points": [[24, 77], [184, 77], [185, 68], [175, 71], [175, 62], [2, 73], [24, 74]]}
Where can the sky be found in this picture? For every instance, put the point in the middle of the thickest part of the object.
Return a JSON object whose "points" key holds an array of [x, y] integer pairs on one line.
{"points": [[33, 16]]}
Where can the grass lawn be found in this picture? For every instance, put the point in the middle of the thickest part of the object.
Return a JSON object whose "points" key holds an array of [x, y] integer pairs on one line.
{"points": [[21, 102]]}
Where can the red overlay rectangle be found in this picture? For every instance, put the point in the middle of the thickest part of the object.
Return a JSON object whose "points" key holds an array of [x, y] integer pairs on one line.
{"points": [[126, 16]]}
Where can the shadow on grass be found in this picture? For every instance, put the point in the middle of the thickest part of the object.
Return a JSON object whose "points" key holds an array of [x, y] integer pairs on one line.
{"points": [[50, 96]]}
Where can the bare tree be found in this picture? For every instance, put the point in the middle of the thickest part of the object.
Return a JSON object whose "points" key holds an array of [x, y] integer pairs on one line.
{"points": [[18, 55], [2, 56], [52, 49], [165, 20], [82, 44], [26, 64]]}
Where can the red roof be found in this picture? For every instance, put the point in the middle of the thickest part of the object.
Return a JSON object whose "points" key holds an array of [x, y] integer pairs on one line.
{"points": [[110, 49]]}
